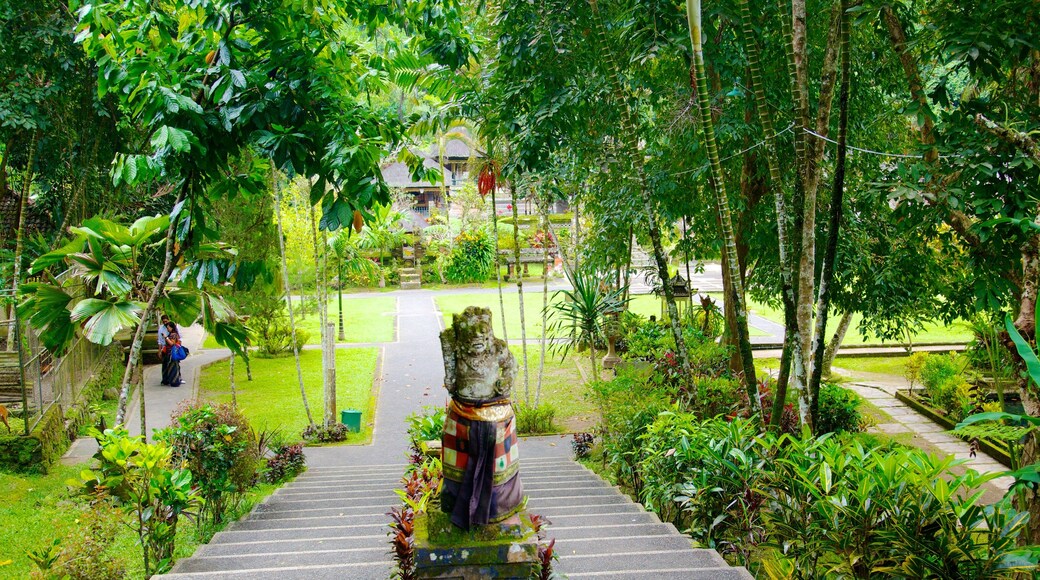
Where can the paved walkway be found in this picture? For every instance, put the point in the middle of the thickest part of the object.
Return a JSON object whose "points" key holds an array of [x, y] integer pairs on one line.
{"points": [[925, 433]]}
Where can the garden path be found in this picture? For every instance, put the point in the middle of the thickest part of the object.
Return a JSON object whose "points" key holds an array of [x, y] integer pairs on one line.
{"points": [[330, 522], [880, 391]]}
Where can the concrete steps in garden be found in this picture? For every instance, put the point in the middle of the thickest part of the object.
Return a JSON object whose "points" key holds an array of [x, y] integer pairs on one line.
{"points": [[331, 523], [411, 278]]}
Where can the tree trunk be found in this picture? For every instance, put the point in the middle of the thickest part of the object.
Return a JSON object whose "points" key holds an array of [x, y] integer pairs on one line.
{"points": [[805, 208], [296, 346], [19, 244], [172, 256], [342, 336], [792, 340], [835, 344], [632, 151], [498, 266], [545, 300], [231, 379], [693, 8], [321, 294], [837, 196], [520, 288]]}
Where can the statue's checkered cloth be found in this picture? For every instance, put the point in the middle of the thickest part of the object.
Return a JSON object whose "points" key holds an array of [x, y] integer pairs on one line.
{"points": [[481, 462]]}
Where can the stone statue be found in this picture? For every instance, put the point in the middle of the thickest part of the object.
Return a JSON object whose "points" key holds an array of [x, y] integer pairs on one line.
{"points": [[480, 455]]}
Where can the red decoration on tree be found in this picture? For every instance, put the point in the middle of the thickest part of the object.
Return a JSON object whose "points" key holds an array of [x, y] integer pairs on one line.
{"points": [[487, 178]]}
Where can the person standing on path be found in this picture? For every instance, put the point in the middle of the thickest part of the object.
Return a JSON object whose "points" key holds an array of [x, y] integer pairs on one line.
{"points": [[164, 333], [172, 375]]}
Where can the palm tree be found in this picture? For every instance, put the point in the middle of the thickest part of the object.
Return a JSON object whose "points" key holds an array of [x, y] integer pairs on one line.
{"points": [[348, 261], [581, 315], [384, 233]]}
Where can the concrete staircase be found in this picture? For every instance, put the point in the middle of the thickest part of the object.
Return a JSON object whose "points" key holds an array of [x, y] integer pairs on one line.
{"points": [[331, 523], [411, 278]]}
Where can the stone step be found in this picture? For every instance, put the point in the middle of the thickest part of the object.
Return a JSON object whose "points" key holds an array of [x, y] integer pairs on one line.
{"points": [[613, 531], [585, 518], [320, 513], [652, 573], [332, 523], [345, 497], [622, 544], [375, 570], [257, 530], [640, 560], [536, 503], [296, 545], [284, 559], [564, 511]]}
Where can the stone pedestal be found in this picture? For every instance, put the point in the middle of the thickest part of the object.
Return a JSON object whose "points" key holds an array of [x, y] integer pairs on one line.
{"points": [[501, 551]]}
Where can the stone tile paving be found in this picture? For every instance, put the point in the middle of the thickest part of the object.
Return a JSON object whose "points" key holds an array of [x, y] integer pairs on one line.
{"points": [[906, 420]]}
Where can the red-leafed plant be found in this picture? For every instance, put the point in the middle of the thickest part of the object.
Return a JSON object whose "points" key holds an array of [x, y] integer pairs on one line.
{"points": [[545, 549]]}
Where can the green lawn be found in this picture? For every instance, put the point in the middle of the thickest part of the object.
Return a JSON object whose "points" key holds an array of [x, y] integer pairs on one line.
{"points": [[37, 509], [369, 319], [892, 365], [650, 305], [562, 386], [933, 332], [449, 304], [272, 399]]}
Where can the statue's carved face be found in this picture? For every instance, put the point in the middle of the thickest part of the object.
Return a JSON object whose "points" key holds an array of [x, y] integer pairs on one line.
{"points": [[480, 335]]}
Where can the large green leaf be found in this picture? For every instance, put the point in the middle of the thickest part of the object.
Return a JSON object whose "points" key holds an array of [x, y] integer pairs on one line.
{"points": [[180, 303], [47, 309], [104, 319], [146, 227], [1024, 350], [997, 416], [232, 335], [57, 256]]}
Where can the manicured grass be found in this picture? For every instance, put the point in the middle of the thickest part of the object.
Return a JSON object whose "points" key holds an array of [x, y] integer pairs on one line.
{"points": [[933, 332], [369, 319], [37, 509], [449, 304], [650, 305], [272, 399], [893, 365], [562, 386]]}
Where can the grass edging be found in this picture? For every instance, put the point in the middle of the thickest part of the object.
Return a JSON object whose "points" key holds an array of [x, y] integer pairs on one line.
{"points": [[992, 448]]}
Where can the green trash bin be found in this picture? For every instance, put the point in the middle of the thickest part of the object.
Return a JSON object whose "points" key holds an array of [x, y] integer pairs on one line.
{"points": [[351, 419]]}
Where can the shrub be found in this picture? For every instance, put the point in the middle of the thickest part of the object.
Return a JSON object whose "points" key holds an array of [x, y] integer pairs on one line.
{"points": [[937, 370], [838, 509], [287, 462], [472, 258], [84, 553], [628, 404], [427, 425], [535, 420], [333, 433], [838, 410], [216, 444], [268, 322], [953, 397], [913, 366], [581, 445], [141, 480], [715, 395], [704, 478], [645, 340], [708, 357]]}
